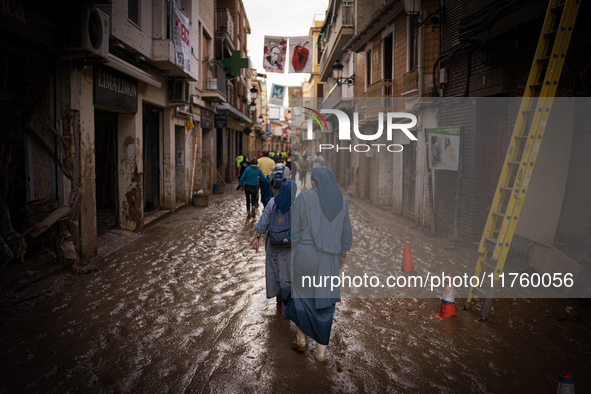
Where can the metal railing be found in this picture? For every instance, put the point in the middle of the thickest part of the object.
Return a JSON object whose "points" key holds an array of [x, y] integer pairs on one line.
{"points": [[410, 80], [230, 95], [224, 22]]}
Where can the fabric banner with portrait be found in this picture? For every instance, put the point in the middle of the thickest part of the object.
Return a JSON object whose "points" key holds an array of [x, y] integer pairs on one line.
{"points": [[181, 38], [300, 54], [275, 51], [277, 95]]}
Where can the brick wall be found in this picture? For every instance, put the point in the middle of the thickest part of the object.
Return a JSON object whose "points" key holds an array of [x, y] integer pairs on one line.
{"points": [[512, 50]]}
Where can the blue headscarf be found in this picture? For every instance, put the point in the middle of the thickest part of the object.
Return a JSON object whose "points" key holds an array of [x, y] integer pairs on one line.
{"points": [[286, 195], [331, 197]]}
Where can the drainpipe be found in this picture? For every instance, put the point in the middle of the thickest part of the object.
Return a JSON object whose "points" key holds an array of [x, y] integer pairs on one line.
{"points": [[420, 61]]}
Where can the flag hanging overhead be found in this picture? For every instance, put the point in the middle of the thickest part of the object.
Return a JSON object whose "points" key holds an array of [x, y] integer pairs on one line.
{"points": [[275, 51], [300, 56], [277, 95]]}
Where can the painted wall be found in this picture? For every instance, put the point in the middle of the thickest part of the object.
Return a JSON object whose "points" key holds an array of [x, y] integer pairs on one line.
{"points": [[576, 211], [542, 206], [81, 99]]}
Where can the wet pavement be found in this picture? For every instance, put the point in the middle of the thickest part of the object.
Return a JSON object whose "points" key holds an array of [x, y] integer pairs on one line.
{"points": [[182, 308]]}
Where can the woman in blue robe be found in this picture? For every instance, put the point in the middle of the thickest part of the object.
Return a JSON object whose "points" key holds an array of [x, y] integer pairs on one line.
{"points": [[321, 232], [277, 259]]}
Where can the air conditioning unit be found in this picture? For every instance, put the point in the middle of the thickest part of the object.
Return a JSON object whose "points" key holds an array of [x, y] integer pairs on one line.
{"points": [[87, 30], [179, 92]]}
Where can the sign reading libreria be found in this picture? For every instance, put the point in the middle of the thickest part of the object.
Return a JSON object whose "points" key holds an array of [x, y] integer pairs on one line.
{"points": [[115, 90]]}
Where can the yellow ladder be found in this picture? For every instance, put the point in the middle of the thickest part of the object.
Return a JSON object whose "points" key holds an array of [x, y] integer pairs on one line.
{"points": [[523, 149]]}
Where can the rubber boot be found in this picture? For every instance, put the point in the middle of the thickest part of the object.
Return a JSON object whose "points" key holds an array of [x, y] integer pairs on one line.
{"points": [[320, 352]]}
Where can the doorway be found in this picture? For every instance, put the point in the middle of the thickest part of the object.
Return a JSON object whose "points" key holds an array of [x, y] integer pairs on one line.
{"points": [[409, 179], [152, 178], [182, 139], [106, 179]]}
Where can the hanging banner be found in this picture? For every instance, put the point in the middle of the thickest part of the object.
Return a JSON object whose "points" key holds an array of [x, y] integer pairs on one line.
{"points": [[277, 95], [274, 113], [275, 51], [300, 57], [181, 35]]}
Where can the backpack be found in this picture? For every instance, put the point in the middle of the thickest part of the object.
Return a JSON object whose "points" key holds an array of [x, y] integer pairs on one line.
{"points": [[277, 178], [279, 228]]}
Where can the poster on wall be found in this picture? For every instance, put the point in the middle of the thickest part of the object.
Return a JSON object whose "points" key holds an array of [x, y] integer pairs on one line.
{"points": [[277, 95], [274, 57], [181, 38], [300, 57], [444, 147]]}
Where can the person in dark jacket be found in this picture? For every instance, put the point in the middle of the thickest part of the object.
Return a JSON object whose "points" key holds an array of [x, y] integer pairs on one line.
{"points": [[250, 179]]}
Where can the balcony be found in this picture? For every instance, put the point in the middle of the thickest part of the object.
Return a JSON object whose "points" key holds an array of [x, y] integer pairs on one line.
{"points": [[216, 86], [224, 27], [164, 55], [410, 81], [341, 32], [230, 93]]}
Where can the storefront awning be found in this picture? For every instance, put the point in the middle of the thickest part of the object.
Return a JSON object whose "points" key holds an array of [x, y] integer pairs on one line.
{"points": [[131, 70], [230, 109]]}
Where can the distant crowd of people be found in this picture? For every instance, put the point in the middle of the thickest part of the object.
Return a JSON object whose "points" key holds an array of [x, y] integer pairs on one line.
{"points": [[266, 172]]}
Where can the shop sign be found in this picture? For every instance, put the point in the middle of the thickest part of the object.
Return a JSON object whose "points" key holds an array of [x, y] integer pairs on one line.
{"points": [[206, 119], [115, 90], [221, 121]]}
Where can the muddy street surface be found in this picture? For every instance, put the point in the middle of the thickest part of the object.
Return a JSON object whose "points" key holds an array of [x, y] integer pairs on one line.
{"points": [[182, 308]]}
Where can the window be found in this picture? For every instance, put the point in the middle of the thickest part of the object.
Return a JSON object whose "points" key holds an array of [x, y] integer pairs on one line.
{"points": [[413, 53], [318, 52], [133, 11], [368, 65], [320, 90], [387, 58]]}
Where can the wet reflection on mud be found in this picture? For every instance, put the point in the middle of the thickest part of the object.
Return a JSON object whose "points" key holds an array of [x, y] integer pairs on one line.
{"points": [[183, 309]]}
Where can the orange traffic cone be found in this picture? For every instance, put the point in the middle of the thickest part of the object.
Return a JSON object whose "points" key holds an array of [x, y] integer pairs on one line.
{"points": [[407, 259], [566, 383], [448, 303]]}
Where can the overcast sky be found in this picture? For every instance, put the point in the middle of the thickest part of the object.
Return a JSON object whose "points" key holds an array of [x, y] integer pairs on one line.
{"points": [[279, 18]]}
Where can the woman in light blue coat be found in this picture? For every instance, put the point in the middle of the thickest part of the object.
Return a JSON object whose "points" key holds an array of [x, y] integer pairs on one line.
{"points": [[277, 259], [321, 232]]}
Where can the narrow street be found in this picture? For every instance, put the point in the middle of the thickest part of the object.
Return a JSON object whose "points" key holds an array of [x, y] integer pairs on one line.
{"points": [[183, 309]]}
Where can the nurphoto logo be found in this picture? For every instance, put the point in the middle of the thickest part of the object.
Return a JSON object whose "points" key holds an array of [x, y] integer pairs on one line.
{"points": [[394, 121]]}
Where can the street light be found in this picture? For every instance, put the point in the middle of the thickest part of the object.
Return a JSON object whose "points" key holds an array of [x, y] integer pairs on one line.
{"points": [[253, 93], [337, 74], [412, 8]]}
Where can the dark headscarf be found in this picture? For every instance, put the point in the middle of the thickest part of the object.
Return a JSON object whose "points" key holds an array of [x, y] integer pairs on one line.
{"points": [[331, 197], [286, 195]]}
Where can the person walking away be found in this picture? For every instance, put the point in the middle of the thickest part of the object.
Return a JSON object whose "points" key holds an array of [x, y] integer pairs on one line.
{"points": [[276, 218], [266, 165], [303, 169], [250, 179], [279, 173], [321, 232], [243, 166], [317, 160]]}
